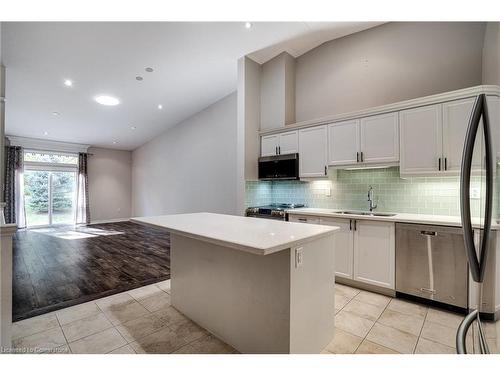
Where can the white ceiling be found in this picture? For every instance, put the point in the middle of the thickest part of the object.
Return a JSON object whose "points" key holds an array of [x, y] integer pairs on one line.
{"points": [[194, 65]]}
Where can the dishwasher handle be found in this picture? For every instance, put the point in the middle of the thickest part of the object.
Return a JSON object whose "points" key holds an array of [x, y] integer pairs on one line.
{"points": [[428, 233]]}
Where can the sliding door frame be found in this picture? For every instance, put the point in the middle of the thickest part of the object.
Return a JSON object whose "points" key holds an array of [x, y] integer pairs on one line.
{"points": [[53, 167]]}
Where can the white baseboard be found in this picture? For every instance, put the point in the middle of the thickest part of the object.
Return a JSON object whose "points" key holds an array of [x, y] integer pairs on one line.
{"points": [[109, 220]]}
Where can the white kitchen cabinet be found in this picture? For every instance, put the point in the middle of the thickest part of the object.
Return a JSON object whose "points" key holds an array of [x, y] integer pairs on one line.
{"points": [[312, 151], [269, 145], [379, 138], [343, 143], [370, 140], [304, 219], [432, 139], [364, 249], [494, 117], [344, 238], [288, 143], [279, 144], [421, 140], [374, 253], [455, 123]]}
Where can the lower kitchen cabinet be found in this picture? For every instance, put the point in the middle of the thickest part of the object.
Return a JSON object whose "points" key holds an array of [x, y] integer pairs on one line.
{"points": [[343, 246], [374, 253], [364, 249]]}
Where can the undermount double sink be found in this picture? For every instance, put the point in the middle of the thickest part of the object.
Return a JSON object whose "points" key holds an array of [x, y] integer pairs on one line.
{"points": [[364, 213]]}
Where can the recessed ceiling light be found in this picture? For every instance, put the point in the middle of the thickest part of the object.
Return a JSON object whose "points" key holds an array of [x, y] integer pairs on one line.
{"points": [[56, 113], [68, 82], [115, 142], [45, 133], [139, 78], [133, 127], [107, 100], [248, 25], [149, 70], [160, 106]]}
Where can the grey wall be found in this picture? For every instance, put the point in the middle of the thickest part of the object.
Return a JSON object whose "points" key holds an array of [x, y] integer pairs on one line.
{"points": [[110, 184], [190, 167], [491, 54], [386, 64]]}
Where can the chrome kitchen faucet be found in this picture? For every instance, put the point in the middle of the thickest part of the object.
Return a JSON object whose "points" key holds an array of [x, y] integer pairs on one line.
{"points": [[371, 205]]}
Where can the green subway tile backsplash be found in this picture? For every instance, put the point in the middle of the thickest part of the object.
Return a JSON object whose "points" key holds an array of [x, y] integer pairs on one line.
{"points": [[348, 190]]}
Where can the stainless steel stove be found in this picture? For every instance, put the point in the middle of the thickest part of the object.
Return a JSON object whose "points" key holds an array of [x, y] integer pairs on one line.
{"points": [[274, 211]]}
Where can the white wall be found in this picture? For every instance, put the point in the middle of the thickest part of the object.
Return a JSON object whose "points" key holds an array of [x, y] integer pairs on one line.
{"points": [[248, 123], [386, 64], [190, 167], [491, 54], [110, 184]]}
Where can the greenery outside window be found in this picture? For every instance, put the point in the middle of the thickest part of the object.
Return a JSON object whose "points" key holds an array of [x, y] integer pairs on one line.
{"points": [[49, 187]]}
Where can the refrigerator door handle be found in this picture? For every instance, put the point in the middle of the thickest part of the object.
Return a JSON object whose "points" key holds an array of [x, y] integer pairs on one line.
{"points": [[477, 265]]}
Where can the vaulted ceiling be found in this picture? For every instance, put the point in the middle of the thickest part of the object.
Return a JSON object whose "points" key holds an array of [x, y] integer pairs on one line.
{"points": [[194, 65]]}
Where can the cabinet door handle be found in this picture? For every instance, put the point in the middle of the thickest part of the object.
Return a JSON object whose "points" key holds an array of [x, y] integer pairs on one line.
{"points": [[279, 150], [326, 170], [439, 164], [276, 150], [357, 157], [350, 224], [302, 219], [355, 228], [361, 156], [445, 164]]}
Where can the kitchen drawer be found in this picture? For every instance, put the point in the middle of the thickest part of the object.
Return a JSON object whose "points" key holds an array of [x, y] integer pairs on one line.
{"points": [[304, 219]]}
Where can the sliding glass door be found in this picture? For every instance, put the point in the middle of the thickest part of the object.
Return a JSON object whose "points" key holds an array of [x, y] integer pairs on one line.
{"points": [[49, 197], [49, 187], [36, 197]]}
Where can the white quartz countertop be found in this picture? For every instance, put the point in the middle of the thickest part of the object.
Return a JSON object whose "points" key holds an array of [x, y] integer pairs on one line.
{"points": [[398, 217], [258, 236]]}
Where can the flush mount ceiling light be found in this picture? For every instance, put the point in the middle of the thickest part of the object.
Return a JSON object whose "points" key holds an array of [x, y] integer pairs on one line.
{"points": [[133, 128], [107, 100], [56, 113], [248, 25], [68, 82], [160, 106], [139, 78], [149, 70], [45, 133], [115, 142]]}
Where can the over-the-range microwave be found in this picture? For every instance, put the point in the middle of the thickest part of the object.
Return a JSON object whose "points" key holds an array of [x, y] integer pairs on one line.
{"points": [[279, 167]]}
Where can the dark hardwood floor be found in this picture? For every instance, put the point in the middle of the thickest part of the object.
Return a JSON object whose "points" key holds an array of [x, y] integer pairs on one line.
{"points": [[60, 267]]}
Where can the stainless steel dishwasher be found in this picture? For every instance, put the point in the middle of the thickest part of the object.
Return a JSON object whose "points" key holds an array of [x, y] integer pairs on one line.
{"points": [[431, 263]]}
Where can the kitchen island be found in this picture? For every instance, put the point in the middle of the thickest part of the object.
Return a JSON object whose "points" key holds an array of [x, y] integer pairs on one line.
{"points": [[262, 286]]}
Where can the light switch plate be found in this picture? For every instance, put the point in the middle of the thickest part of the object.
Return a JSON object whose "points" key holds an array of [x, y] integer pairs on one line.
{"points": [[474, 193]]}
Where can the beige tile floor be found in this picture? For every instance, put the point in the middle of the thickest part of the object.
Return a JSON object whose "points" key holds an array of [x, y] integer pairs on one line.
{"points": [[142, 321], [370, 323]]}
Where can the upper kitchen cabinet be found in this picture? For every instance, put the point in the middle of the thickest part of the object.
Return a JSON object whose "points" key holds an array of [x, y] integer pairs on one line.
{"points": [[343, 143], [432, 138], [369, 140], [269, 145], [277, 92], [421, 140], [313, 151], [280, 144], [455, 123], [494, 116], [379, 139]]}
